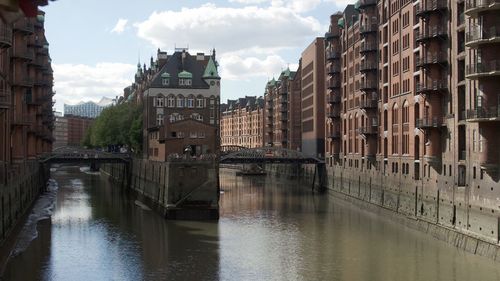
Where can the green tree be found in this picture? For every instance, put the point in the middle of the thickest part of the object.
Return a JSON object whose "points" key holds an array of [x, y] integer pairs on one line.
{"points": [[117, 125]]}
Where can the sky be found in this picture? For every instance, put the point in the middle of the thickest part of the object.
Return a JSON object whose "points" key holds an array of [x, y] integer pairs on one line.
{"points": [[95, 45]]}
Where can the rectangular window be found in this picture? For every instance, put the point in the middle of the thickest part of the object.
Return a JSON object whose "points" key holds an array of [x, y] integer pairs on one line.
{"points": [[200, 103], [180, 102], [159, 119], [190, 103], [165, 81]]}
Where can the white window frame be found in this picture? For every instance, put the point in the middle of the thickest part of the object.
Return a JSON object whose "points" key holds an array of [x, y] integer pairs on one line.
{"points": [[171, 102], [190, 103], [165, 81], [200, 103], [180, 102]]}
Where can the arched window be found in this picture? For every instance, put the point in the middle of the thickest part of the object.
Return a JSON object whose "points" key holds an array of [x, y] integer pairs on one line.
{"points": [[200, 102], [159, 101], [406, 112], [180, 101], [171, 101], [395, 114], [190, 101]]}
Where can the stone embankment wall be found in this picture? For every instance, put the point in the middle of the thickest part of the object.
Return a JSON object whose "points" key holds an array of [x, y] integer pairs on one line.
{"points": [[18, 193], [179, 189], [440, 208]]}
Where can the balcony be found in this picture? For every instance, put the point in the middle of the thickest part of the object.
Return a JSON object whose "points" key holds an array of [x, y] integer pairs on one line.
{"points": [[333, 69], [330, 55], [332, 35], [335, 135], [368, 47], [368, 104], [5, 97], [24, 26], [434, 32], [431, 6], [368, 131], [368, 85], [368, 28], [333, 83], [333, 98], [5, 36], [432, 59], [366, 66], [22, 81], [486, 69], [483, 114], [23, 54], [474, 7], [284, 109], [21, 120], [36, 43], [430, 123], [333, 113], [366, 3], [37, 62], [478, 36], [430, 86]]}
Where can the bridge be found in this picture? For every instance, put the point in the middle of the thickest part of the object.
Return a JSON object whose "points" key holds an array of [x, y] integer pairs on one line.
{"points": [[234, 154], [79, 155]]}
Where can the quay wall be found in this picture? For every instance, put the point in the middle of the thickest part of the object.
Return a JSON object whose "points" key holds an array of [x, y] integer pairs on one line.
{"points": [[17, 194], [179, 189], [459, 215]]}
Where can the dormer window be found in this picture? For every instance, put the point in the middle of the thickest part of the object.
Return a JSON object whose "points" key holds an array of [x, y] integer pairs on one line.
{"points": [[185, 82], [165, 79], [185, 78]]}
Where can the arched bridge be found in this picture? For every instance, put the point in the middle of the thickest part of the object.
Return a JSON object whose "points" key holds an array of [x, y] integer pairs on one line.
{"points": [[79, 155], [263, 155]]}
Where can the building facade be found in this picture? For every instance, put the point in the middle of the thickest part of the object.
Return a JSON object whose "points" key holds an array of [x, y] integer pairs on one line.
{"points": [[241, 122], [26, 118], [181, 101], [282, 114], [313, 89], [60, 132], [88, 109], [412, 123]]}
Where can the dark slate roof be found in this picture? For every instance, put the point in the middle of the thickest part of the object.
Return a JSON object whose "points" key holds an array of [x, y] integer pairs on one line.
{"points": [[174, 66]]}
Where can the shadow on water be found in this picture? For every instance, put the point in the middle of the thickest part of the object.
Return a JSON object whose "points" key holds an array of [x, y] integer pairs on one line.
{"points": [[98, 233]]}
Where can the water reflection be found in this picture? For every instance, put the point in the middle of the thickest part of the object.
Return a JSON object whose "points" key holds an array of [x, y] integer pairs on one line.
{"points": [[270, 229]]}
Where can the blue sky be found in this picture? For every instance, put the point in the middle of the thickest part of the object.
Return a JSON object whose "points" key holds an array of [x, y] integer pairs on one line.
{"points": [[95, 44]]}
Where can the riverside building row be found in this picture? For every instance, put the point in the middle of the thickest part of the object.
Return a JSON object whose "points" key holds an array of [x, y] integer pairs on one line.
{"points": [[413, 109], [180, 96], [403, 96], [241, 122], [26, 117]]}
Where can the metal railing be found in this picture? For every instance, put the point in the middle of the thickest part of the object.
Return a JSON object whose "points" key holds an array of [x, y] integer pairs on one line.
{"points": [[431, 85], [23, 53], [335, 98], [366, 3], [5, 35], [330, 55], [368, 47], [430, 6], [431, 58], [483, 68], [368, 130], [368, 27], [368, 103], [431, 32], [24, 26], [471, 5], [368, 84], [368, 65], [478, 33], [5, 97], [429, 122], [483, 112]]}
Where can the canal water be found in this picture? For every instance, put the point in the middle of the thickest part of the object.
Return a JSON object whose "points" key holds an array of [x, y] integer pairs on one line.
{"points": [[270, 229]]}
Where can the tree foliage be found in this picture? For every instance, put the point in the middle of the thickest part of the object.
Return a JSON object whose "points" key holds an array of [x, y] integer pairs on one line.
{"points": [[117, 125]]}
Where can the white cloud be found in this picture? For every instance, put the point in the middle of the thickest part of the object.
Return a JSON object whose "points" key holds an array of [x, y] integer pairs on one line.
{"points": [[298, 6], [77, 82], [234, 67], [229, 29], [120, 26], [340, 3]]}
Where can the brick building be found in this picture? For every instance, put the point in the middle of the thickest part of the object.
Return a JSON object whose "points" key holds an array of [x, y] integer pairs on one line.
{"points": [[417, 108], [181, 102], [313, 89], [241, 122], [26, 118], [282, 121]]}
